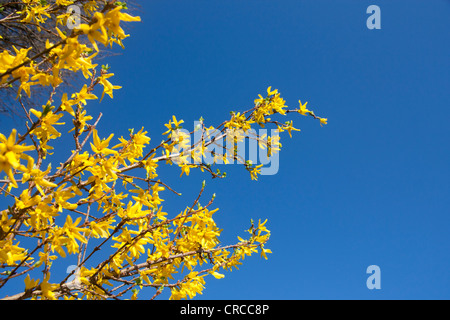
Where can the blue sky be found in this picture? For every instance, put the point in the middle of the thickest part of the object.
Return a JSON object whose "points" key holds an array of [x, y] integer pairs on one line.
{"points": [[370, 188]]}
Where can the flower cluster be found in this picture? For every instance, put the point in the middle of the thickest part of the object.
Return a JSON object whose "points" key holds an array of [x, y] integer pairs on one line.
{"points": [[105, 194]]}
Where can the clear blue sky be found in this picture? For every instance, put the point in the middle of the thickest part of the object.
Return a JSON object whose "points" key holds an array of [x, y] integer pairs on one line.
{"points": [[371, 187]]}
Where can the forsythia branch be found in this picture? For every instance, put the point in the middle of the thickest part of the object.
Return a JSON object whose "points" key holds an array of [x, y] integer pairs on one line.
{"points": [[129, 245]]}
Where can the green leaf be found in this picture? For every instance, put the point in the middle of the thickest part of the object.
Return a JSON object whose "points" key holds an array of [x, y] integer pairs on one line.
{"points": [[121, 4], [48, 107]]}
